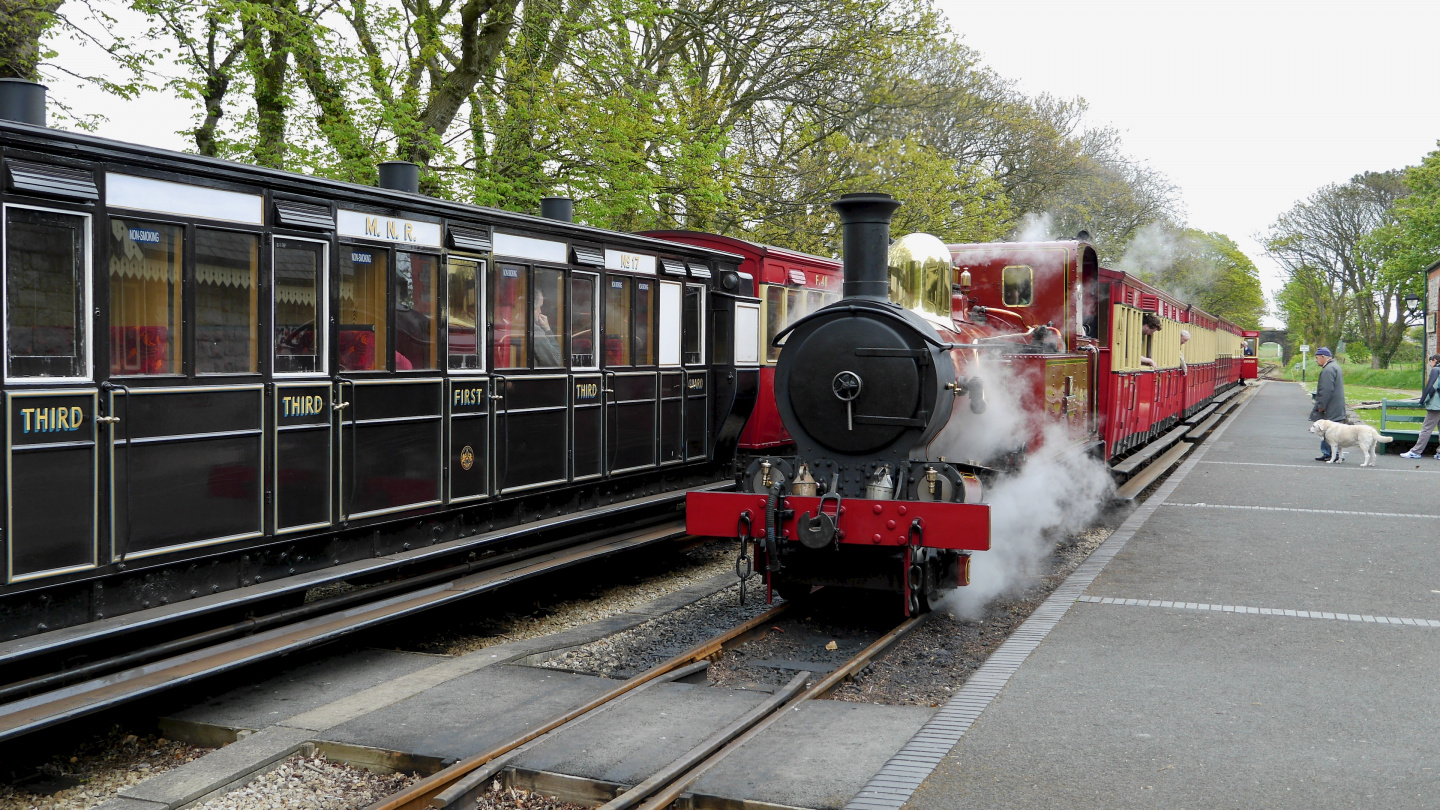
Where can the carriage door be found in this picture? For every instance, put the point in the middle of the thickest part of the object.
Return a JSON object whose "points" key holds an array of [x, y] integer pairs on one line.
{"points": [[303, 467], [51, 448], [587, 421], [392, 420], [532, 416], [469, 402], [631, 401]]}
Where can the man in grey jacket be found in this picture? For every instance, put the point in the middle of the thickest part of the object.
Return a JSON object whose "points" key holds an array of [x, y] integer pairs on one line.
{"points": [[1329, 396]]}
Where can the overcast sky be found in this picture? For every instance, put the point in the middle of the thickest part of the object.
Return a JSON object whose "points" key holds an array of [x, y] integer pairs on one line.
{"points": [[1246, 106]]}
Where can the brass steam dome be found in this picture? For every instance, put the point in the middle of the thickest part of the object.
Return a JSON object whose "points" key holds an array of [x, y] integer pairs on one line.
{"points": [[920, 274]]}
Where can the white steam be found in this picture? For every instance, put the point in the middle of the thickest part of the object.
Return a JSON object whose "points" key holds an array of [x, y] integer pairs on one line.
{"points": [[1052, 495], [1056, 491], [1035, 227]]}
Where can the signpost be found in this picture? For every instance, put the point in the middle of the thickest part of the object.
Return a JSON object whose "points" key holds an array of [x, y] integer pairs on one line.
{"points": [[1304, 350]]}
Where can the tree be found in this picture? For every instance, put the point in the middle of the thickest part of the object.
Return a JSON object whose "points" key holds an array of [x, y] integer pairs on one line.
{"points": [[1330, 234], [23, 23], [1411, 241]]}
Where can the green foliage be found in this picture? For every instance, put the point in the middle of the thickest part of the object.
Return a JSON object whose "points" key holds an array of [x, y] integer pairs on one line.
{"points": [[1205, 269]]}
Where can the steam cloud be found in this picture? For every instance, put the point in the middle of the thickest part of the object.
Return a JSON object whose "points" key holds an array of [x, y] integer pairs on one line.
{"points": [[1035, 228], [1053, 493]]}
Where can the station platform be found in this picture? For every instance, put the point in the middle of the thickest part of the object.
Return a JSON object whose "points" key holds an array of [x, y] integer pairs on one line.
{"points": [[1264, 631]]}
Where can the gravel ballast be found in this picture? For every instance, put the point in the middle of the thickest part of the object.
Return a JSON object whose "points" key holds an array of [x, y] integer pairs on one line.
{"points": [[311, 783], [95, 771], [552, 612], [633, 651]]}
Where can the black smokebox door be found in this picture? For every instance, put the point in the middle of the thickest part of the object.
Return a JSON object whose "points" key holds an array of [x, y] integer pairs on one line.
{"points": [[834, 413]]}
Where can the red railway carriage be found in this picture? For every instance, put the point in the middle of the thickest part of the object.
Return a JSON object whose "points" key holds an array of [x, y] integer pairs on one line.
{"points": [[790, 285], [1250, 357]]}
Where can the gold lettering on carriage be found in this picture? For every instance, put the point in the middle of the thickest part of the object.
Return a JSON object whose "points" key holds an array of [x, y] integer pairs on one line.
{"points": [[587, 390], [51, 420], [302, 406], [469, 396]]}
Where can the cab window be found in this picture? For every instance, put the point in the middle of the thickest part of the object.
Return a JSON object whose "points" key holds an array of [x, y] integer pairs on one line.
{"points": [[1018, 285]]}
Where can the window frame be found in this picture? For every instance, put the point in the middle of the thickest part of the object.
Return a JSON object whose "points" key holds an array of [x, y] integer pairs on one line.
{"points": [[596, 331], [86, 316], [564, 271], [701, 323], [391, 309], [482, 330], [490, 332], [660, 338], [1003, 284], [387, 361], [653, 295], [193, 302], [322, 316], [187, 292], [629, 319]]}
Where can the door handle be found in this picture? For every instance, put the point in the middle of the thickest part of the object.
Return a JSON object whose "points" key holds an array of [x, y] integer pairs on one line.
{"points": [[340, 406], [107, 420]]}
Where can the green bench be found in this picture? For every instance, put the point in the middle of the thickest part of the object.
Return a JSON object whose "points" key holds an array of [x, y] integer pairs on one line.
{"points": [[1404, 437]]}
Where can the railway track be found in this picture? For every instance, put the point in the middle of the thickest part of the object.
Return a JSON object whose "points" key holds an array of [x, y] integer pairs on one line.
{"points": [[33, 703], [461, 783]]}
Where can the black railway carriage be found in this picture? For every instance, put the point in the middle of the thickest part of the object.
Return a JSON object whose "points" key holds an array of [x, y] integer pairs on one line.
{"points": [[217, 374]]}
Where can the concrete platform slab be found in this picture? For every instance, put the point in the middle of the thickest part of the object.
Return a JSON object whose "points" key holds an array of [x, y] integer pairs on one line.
{"points": [[817, 757], [1133, 707], [1352, 564], [641, 735], [471, 713]]}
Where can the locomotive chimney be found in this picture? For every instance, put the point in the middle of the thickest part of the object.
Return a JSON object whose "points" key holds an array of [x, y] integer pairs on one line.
{"points": [[866, 218], [558, 208], [22, 101], [400, 175]]}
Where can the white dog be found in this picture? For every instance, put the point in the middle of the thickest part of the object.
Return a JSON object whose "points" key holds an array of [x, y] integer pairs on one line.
{"points": [[1338, 436]]}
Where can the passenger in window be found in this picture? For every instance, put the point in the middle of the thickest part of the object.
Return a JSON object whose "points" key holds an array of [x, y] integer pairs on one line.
{"points": [[547, 345], [1149, 325], [412, 328]]}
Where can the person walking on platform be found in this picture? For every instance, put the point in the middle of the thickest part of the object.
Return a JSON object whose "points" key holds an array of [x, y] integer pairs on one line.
{"points": [[1329, 397], [1430, 401]]}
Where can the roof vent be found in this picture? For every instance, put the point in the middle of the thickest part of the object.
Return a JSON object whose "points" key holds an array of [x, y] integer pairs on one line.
{"points": [[400, 175], [561, 208], [22, 101]]}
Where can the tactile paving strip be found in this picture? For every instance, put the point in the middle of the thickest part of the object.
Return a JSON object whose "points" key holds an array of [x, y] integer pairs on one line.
{"points": [[897, 781]]}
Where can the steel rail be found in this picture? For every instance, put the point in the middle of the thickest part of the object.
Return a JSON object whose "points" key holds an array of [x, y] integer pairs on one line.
{"points": [[682, 774], [77, 700], [422, 794]]}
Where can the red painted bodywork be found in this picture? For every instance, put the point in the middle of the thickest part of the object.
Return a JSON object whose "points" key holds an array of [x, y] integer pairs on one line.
{"points": [[956, 526], [768, 266], [1250, 366]]}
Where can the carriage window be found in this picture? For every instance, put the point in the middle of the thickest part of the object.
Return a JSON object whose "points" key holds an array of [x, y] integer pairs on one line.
{"points": [[45, 293], [582, 321], [693, 325], [617, 321], [362, 308], [414, 288], [512, 296], [774, 319], [299, 302], [227, 274], [466, 329], [548, 319], [814, 299], [1018, 283], [644, 323], [146, 297]]}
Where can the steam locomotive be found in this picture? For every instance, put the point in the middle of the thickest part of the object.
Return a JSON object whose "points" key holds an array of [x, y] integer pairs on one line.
{"points": [[887, 394]]}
